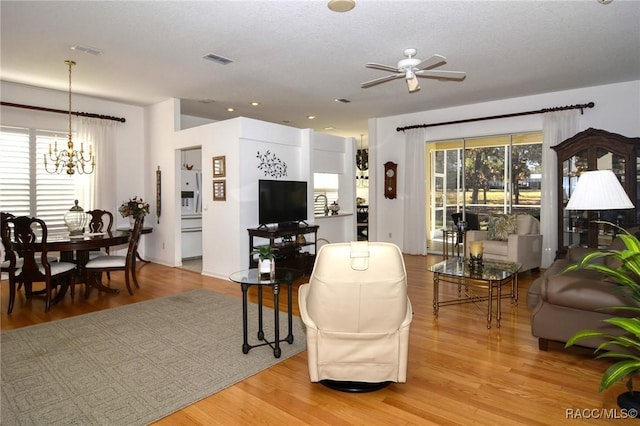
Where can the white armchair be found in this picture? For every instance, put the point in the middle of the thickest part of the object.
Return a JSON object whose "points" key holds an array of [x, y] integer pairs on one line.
{"points": [[523, 245], [357, 316]]}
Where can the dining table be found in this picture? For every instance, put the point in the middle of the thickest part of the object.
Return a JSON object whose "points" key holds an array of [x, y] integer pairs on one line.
{"points": [[76, 249]]}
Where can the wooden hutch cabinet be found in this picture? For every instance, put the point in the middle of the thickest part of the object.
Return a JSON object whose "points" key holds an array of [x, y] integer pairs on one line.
{"points": [[595, 149]]}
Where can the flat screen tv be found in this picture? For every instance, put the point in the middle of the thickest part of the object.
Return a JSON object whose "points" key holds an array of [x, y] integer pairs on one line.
{"points": [[283, 202]]}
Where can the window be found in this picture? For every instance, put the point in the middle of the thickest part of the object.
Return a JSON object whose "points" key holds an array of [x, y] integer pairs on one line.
{"points": [[486, 175], [27, 189], [324, 185]]}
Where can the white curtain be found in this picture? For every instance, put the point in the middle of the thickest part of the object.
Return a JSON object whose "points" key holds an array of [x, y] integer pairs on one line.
{"points": [[415, 229], [556, 127], [99, 134]]}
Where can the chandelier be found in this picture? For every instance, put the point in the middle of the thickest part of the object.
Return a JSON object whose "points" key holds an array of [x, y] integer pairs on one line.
{"points": [[69, 160]]}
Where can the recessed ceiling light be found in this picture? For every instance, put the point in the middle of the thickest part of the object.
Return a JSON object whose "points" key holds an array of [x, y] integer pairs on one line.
{"points": [[341, 5], [311, 117], [231, 109], [255, 103], [329, 128]]}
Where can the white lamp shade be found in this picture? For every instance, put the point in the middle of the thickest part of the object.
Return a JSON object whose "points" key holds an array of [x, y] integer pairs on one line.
{"points": [[599, 190]]}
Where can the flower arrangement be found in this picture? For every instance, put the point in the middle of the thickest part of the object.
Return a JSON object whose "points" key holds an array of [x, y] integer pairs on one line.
{"points": [[134, 207]]}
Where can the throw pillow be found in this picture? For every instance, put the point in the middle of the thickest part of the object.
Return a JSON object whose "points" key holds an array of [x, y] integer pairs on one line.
{"points": [[500, 226]]}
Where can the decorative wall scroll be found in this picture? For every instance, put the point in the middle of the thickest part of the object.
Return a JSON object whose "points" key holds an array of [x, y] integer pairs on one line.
{"points": [[219, 167], [219, 190], [158, 193], [271, 165]]}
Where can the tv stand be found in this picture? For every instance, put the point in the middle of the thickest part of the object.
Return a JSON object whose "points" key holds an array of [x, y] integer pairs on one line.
{"points": [[290, 243]]}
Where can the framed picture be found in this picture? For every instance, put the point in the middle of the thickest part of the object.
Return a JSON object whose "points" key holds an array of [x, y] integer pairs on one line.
{"points": [[219, 190], [219, 169]]}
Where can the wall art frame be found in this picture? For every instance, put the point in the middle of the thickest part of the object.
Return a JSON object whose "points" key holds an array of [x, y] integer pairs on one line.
{"points": [[219, 166], [220, 190]]}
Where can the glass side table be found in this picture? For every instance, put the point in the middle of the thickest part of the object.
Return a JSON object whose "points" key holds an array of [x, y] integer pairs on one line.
{"points": [[250, 277]]}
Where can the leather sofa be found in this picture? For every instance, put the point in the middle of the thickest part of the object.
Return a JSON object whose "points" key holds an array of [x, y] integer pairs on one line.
{"points": [[523, 246], [577, 300]]}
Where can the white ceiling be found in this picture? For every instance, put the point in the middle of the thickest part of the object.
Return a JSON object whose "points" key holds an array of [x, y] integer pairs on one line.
{"points": [[297, 57]]}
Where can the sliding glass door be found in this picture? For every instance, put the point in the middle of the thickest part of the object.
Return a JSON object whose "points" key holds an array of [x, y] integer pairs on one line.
{"points": [[487, 175]]}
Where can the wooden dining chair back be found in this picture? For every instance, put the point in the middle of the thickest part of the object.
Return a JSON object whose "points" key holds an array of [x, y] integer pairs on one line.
{"points": [[10, 264], [29, 240], [95, 267], [100, 221]]}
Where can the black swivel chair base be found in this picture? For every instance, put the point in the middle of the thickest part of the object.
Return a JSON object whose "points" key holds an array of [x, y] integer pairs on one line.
{"points": [[354, 387]]}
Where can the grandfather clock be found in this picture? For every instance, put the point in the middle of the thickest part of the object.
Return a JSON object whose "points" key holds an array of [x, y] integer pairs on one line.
{"points": [[390, 179]]}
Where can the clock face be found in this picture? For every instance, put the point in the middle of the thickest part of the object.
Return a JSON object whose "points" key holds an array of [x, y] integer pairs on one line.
{"points": [[390, 173]]}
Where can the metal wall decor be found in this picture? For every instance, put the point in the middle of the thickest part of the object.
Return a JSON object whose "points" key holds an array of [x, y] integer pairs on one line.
{"points": [[158, 193], [271, 165]]}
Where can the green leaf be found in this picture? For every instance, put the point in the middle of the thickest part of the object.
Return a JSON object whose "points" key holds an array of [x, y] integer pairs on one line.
{"points": [[617, 372]]}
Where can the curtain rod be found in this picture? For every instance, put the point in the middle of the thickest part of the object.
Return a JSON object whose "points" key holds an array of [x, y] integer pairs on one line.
{"points": [[60, 111], [581, 107]]}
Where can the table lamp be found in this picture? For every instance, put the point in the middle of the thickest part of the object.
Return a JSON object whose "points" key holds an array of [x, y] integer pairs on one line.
{"points": [[599, 190]]}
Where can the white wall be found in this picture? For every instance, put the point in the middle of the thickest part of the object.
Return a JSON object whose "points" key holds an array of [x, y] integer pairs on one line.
{"points": [[617, 110], [225, 242]]}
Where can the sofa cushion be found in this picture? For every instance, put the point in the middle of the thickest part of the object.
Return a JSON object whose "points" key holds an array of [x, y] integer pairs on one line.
{"points": [[527, 224], [586, 290], [501, 225], [493, 247]]}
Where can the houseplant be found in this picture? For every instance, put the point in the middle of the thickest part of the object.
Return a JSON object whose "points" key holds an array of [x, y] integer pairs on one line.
{"points": [[266, 260], [628, 276]]}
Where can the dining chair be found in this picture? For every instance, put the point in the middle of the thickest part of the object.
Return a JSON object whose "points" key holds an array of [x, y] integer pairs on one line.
{"points": [[29, 242], [100, 221], [95, 267], [10, 264]]}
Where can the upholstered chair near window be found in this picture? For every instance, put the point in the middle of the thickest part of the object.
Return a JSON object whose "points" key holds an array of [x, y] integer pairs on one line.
{"points": [[357, 316], [515, 238]]}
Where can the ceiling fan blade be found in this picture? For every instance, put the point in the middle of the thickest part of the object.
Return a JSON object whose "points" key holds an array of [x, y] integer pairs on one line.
{"points": [[412, 84], [381, 80], [449, 75], [433, 61], [382, 67]]}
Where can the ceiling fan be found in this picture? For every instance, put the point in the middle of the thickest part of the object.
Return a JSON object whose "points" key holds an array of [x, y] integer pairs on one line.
{"points": [[411, 68]]}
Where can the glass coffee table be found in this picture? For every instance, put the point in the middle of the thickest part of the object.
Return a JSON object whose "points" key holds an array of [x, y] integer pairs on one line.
{"points": [[492, 276], [250, 277]]}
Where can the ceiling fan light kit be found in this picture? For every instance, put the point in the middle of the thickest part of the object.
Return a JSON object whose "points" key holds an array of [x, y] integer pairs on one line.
{"points": [[341, 5], [411, 68]]}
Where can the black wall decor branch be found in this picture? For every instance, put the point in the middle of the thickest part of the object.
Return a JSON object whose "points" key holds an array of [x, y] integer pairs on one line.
{"points": [[581, 107], [271, 165]]}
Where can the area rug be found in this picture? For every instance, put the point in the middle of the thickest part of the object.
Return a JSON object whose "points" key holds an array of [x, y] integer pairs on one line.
{"points": [[133, 364]]}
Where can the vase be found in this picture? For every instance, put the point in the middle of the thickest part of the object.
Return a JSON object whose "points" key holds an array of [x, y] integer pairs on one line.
{"points": [[267, 269], [132, 221]]}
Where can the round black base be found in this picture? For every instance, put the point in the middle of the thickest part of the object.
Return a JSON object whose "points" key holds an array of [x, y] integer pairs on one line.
{"points": [[354, 387], [629, 401]]}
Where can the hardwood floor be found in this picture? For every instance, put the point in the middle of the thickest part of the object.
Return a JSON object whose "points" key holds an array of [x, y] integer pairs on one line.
{"points": [[459, 372]]}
